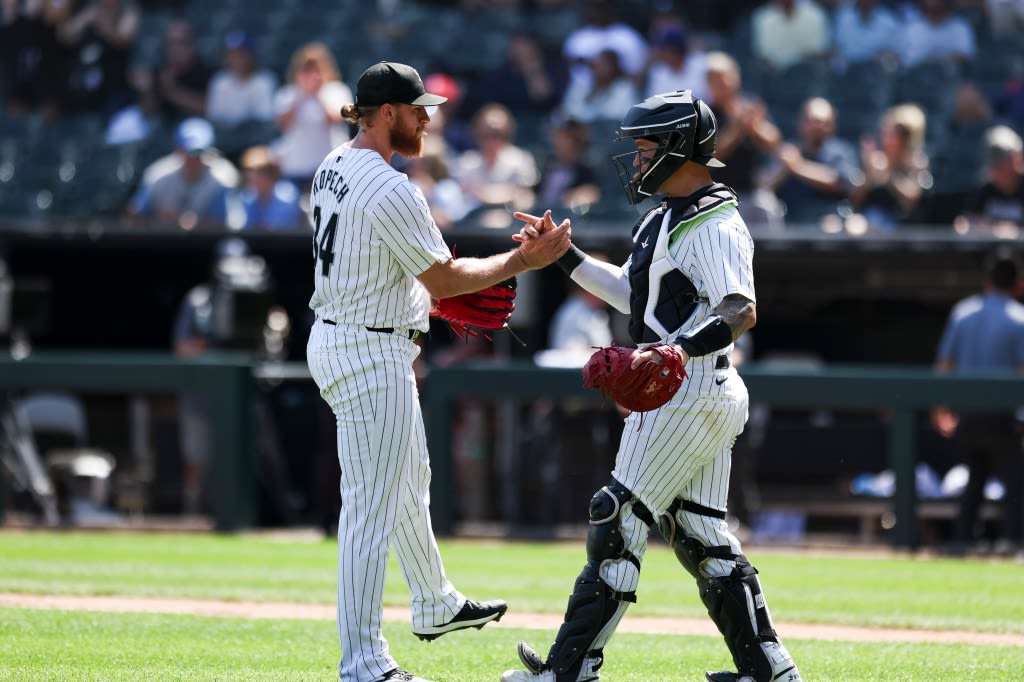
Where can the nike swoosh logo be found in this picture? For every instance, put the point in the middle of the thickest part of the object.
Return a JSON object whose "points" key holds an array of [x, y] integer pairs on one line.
{"points": [[719, 382]]}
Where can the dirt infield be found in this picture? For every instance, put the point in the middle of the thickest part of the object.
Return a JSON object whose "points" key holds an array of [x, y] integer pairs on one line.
{"points": [[543, 621]]}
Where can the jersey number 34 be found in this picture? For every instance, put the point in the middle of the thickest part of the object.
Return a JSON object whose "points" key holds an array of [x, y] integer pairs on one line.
{"points": [[323, 242]]}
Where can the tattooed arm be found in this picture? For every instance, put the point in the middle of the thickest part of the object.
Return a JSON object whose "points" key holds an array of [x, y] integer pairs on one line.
{"points": [[730, 318]]}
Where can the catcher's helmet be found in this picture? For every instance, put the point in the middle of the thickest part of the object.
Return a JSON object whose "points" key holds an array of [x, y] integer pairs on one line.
{"points": [[685, 130]]}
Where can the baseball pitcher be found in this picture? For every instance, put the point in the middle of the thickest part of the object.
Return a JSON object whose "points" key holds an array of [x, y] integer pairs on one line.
{"points": [[378, 262]]}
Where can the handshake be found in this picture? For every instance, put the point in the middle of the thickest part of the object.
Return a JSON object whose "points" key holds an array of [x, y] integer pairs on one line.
{"points": [[541, 242]]}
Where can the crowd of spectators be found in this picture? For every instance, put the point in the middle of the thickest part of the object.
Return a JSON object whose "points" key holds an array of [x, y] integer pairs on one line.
{"points": [[864, 114]]}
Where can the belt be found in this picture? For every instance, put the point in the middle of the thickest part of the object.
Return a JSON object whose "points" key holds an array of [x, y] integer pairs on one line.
{"points": [[412, 334], [722, 362]]}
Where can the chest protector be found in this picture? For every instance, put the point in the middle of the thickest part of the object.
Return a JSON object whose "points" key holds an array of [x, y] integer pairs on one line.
{"points": [[662, 298]]}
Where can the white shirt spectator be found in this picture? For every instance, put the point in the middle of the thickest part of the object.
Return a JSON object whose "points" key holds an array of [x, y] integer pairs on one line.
{"points": [[580, 325], [692, 75], [782, 39], [611, 102], [231, 101], [586, 42], [311, 136], [513, 166]]}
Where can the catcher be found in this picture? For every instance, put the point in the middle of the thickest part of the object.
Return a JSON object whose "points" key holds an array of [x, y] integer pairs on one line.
{"points": [[688, 288]]}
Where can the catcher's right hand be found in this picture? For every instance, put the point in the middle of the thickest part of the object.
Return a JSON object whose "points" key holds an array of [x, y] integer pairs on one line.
{"points": [[633, 379], [534, 226]]}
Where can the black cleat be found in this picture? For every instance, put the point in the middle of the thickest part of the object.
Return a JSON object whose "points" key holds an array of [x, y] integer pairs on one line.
{"points": [[399, 675], [531, 659], [473, 614]]}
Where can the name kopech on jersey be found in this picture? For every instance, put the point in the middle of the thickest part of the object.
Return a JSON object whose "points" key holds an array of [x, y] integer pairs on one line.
{"points": [[372, 235]]}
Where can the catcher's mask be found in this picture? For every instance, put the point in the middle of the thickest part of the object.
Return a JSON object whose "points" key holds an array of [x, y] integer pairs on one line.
{"points": [[683, 128]]}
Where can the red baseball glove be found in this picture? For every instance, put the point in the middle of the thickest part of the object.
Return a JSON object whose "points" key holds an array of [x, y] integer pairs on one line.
{"points": [[647, 387], [476, 313]]}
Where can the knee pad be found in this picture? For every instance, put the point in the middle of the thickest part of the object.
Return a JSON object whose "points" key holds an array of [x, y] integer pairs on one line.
{"points": [[604, 537], [690, 551]]}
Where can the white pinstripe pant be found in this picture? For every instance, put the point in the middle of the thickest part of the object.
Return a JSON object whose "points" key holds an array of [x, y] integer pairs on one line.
{"points": [[368, 381], [683, 449]]}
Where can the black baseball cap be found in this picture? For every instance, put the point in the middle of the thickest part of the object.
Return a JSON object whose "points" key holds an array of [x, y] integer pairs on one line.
{"points": [[393, 83]]}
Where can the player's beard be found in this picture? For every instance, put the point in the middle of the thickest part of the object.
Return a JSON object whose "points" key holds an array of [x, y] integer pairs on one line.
{"points": [[407, 141]]}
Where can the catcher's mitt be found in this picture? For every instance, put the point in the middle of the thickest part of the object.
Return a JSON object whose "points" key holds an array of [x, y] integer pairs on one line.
{"points": [[645, 388], [475, 313]]}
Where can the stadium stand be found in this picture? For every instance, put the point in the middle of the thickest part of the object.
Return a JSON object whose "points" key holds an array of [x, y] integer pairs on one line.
{"points": [[467, 41]]}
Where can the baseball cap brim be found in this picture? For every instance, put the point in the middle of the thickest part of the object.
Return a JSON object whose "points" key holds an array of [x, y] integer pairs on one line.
{"points": [[428, 99]]}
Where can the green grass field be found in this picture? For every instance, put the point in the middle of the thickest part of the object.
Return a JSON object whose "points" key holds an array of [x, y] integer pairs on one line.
{"points": [[895, 592]]}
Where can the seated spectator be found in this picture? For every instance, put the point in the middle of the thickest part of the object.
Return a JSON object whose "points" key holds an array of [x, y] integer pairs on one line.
{"points": [[580, 324], [567, 179], [603, 30], [606, 95], [813, 176], [223, 169], [429, 172], [789, 31], [497, 171], [937, 34], [270, 202], [100, 38], [33, 59], [240, 91], [971, 111], [955, 156], [864, 31], [1005, 18], [746, 138], [896, 169], [176, 88], [998, 204], [528, 82], [1009, 103], [449, 118], [308, 113], [189, 196], [675, 65]]}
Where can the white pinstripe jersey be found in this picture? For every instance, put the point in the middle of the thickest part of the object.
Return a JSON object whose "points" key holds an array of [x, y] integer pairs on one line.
{"points": [[373, 234], [713, 249]]}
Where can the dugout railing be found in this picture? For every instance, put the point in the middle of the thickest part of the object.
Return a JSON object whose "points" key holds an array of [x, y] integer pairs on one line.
{"points": [[226, 377], [230, 380], [902, 391]]}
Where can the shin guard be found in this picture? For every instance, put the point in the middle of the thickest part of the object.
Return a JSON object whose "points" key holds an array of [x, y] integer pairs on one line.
{"points": [[736, 604]]}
